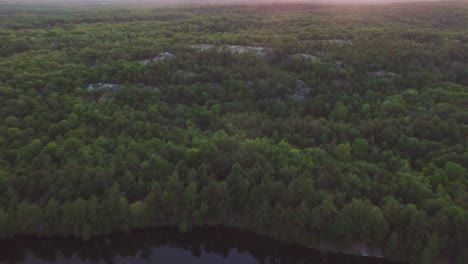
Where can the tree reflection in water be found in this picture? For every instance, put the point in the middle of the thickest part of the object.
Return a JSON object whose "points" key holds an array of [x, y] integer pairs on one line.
{"points": [[201, 245]]}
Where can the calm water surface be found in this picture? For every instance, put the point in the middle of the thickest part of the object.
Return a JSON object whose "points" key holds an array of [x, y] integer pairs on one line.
{"points": [[166, 245]]}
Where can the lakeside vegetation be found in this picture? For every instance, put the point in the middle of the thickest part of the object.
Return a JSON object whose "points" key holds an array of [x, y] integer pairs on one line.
{"points": [[349, 126]]}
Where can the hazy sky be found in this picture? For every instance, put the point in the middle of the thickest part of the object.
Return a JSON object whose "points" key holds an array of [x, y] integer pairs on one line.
{"points": [[228, 1], [168, 2]]}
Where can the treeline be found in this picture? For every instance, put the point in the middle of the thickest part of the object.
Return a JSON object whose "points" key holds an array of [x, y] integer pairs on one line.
{"points": [[375, 152]]}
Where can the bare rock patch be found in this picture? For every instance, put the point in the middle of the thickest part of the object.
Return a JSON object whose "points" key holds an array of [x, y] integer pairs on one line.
{"points": [[261, 51], [160, 57], [301, 91], [305, 56], [381, 74]]}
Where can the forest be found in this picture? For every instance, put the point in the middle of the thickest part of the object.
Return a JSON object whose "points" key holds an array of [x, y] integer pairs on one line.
{"points": [[314, 124]]}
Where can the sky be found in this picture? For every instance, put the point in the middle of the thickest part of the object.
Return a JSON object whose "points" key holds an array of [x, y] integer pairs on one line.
{"points": [[165, 2], [228, 1]]}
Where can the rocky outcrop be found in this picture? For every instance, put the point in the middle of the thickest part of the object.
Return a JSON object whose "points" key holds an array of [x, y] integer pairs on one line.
{"points": [[202, 47], [305, 56], [112, 87], [103, 87], [160, 57], [261, 51], [384, 74], [301, 91], [246, 49]]}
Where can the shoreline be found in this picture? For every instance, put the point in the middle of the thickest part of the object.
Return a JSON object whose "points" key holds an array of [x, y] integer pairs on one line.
{"points": [[355, 250]]}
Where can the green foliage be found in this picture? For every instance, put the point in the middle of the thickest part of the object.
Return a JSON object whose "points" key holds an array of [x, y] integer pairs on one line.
{"points": [[455, 171], [376, 152], [7, 227], [19, 45], [360, 148], [343, 152], [340, 113], [29, 217], [365, 221]]}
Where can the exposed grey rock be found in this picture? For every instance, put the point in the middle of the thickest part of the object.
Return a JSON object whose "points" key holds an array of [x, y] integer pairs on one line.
{"points": [[233, 48], [340, 42], [301, 91], [384, 74], [164, 56], [103, 86], [305, 56], [202, 47], [160, 57], [112, 87], [245, 49]]}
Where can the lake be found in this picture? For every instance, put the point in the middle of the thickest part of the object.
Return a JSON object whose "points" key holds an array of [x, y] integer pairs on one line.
{"points": [[166, 245]]}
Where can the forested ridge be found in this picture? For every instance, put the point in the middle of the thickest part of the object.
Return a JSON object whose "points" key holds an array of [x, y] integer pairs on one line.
{"points": [[345, 125]]}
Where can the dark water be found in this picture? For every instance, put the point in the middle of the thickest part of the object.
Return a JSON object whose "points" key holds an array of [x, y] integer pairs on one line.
{"points": [[166, 245]]}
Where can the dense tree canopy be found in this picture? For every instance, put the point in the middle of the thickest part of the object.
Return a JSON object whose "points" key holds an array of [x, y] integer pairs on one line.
{"points": [[362, 138]]}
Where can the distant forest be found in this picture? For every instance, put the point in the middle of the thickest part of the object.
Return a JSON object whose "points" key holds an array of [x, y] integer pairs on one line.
{"points": [[320, 125]]}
